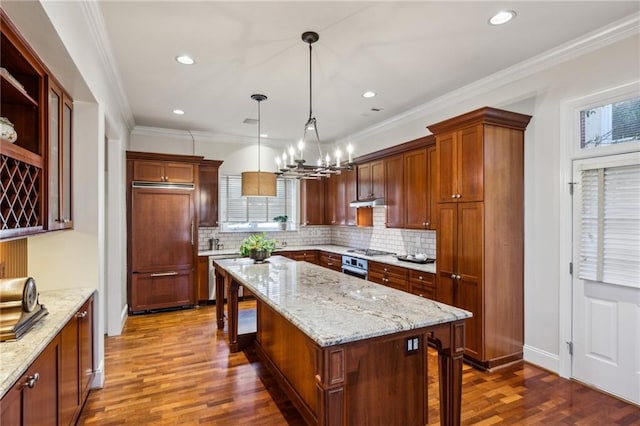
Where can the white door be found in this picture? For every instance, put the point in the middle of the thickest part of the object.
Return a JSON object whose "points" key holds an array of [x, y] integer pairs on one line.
{"points": [[606, 275]]}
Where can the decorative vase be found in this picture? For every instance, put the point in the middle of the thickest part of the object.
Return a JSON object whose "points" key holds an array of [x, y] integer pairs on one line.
{"points": [[258, 255], [7, 131]]}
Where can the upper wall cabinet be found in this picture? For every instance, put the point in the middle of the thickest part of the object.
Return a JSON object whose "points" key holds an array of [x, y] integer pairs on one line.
{"points": [[22, 153], [59, 159], [208, 193], [371, 180], [312, 201], [163, 171]]}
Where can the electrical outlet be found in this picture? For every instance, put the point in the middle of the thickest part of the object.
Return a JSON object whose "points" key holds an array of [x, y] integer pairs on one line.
{"points": [[413, 345]]}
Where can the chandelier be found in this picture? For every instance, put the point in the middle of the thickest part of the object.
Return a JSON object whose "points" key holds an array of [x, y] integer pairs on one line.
{"points": [[292, 163]]}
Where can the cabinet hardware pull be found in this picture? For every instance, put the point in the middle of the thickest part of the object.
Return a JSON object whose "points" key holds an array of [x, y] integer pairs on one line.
{"points": [[164, 274], [458, 277], [458, 195], [32, 380], [453, 195], [453, 276], [191, 232], [426, 224], [420, 277]]}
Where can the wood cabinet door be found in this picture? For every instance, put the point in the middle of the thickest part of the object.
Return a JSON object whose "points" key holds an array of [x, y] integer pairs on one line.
{"points": [[340, 205], [394, 192], [432, 187], [469, 262], [377, 178], [330, 204], [470, 169], [330, 260], [40, 404], [312, 201], [69, 388], [202, 278], [208, 193], [446, 246], [11, 403], [364, 181], [178, 172], [162, 230], [447, 167], [415, 183], [148, 171], [350, 183], [162, 290], [85, 339]]}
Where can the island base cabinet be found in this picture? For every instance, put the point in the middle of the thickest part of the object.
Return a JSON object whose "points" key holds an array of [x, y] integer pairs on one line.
{"points": [[161, 290], [32, 400], [375, 381]]}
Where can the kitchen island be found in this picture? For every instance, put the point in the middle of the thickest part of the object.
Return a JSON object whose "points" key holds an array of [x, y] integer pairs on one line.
{"points": [[345, 350]]}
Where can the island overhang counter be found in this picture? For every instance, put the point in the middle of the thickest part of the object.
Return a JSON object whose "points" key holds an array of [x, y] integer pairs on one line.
{"points": [[345, 350]]}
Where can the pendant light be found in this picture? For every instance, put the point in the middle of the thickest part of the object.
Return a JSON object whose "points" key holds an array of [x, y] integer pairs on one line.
{"points": [[258, 184], [294, 165]]}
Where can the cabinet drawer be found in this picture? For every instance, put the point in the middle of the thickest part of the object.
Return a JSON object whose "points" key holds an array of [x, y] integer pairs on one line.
{"points": [[331, 261], [422, 284], [389, 275]]}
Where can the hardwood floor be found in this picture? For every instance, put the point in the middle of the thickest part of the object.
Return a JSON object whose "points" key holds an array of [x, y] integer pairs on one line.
{"points": [[174, 368]]}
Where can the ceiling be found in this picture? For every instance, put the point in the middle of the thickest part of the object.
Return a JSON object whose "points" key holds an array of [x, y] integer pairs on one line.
{"points": [[407, 52]]}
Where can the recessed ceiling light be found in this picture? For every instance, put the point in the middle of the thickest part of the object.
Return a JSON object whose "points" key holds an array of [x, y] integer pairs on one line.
{"points": [[178, 112], [185, 60], [368, 94], [264, 135], [502, 17]]}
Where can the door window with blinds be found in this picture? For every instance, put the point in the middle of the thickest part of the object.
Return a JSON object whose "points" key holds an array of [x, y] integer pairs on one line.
{"points": [[610, 224], [242, 214]]}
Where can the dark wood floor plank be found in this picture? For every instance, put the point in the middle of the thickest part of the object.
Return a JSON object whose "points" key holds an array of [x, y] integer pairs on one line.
{"points": [[174, 368]]}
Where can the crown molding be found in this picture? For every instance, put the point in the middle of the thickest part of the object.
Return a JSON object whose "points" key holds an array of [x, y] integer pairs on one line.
{"points": [[95, 20], [190, 135], [587, 43]]}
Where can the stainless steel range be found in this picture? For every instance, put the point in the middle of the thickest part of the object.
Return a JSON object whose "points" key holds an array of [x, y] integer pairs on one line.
{"points": [[358, 267], [355, 266]]}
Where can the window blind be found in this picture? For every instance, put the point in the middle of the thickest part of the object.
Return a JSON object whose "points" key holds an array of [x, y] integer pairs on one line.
{"points": [[234, 208], [610, 225]]}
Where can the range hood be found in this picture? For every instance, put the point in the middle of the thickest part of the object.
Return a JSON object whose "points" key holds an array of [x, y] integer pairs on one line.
{"points": [[368, 202]]}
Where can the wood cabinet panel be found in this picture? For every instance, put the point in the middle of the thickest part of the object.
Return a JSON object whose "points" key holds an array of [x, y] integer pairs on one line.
{"points": [[208, 193], [161, 290], [76, 363], [350, 182], [202, 278], [432, 186], [39, 403], [394, 191], [331, 215], [470, 169], [162, 229], [415, 177], [371, 180], [163, 171], [389, 275], [447, 167], [310, 256], [312, 201]]}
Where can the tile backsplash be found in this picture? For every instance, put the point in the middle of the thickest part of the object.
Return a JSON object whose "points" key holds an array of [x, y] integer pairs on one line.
{"points": [[378, 237]]}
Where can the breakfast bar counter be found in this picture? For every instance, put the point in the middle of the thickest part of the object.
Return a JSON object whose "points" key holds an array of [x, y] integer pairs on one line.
{"points": [[346, 350]]}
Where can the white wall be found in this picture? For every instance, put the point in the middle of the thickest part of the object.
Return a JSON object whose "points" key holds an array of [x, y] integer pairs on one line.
{"points": [[540, 87]]}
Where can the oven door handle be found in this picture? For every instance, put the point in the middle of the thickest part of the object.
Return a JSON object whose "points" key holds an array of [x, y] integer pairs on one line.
{"points": [[354, 271]]}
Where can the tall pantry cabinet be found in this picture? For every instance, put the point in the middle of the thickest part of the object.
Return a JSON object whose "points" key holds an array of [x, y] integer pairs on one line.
{"points": [[480, 233]]}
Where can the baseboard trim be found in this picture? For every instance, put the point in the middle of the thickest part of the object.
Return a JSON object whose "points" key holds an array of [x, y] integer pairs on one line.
{"points": [[123, 317], [541, 358], [98, 377]]}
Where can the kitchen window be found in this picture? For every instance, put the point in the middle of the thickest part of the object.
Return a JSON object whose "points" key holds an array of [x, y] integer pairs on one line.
{"points": [[242, 214], [610, 124]]}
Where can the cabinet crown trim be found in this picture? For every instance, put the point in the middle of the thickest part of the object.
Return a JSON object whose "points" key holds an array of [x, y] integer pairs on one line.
{"points": [[484, 115]]}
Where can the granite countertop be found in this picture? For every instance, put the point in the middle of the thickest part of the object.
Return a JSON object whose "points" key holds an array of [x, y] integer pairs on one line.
{"points": [[391, 260], [333, 308], [16, 356]]}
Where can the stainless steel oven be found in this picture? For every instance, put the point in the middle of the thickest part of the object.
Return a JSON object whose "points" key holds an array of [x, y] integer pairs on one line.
{"points": [[355, 266]]}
